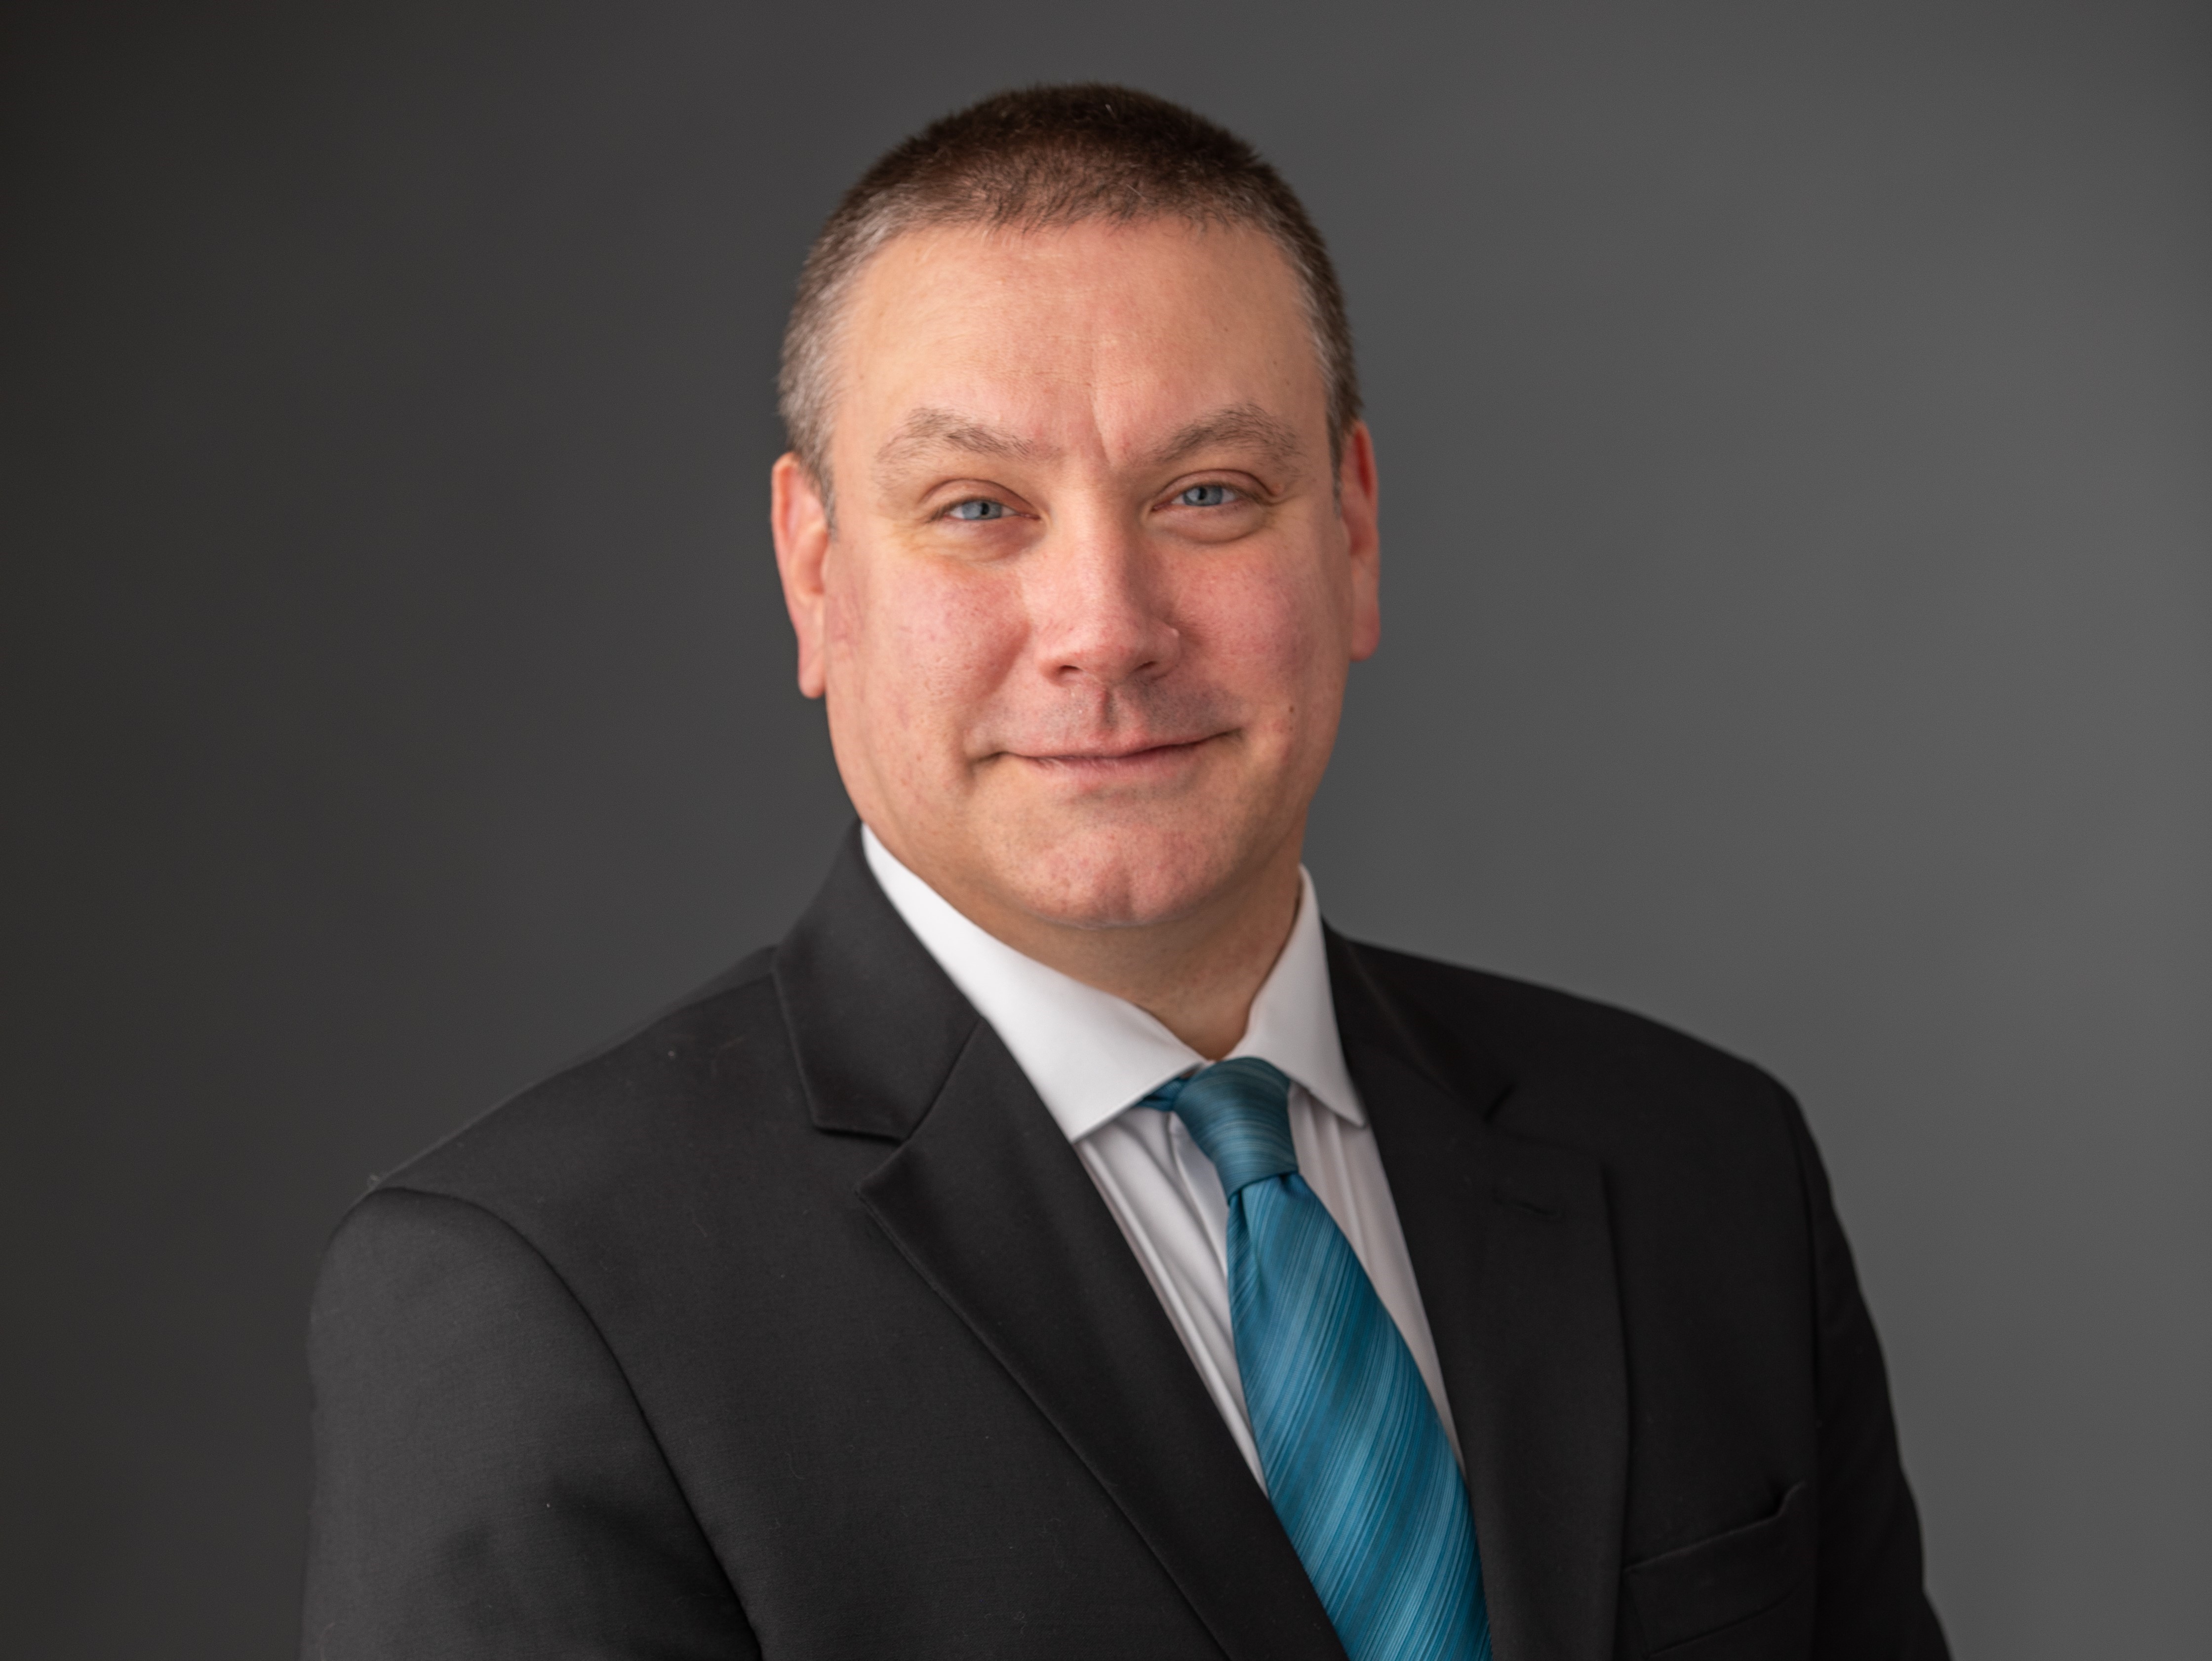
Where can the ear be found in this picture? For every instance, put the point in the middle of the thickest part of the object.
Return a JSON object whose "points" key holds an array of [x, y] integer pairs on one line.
{"points": [[800, 521], [1358, 505]]}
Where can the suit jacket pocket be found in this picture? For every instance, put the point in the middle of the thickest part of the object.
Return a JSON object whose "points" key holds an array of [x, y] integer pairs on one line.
{"points": [[1721, 1586]]}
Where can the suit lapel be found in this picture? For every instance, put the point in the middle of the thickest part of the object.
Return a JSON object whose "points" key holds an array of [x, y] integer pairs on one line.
{"points": [[984, 1197], [1512, 1250]]}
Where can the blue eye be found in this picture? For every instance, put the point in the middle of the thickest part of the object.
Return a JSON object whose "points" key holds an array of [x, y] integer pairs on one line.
{"points": [[977, 509], [1204, 495]]}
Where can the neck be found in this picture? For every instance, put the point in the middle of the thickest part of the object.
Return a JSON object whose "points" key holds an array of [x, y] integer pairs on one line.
{"points": [[1196, 974]]}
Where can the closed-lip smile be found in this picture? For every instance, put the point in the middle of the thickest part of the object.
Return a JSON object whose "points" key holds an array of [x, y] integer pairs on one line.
{"points": [[1111, 759]]}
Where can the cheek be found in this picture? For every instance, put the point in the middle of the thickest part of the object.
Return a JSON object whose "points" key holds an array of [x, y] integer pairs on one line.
{"points": [[1277, 638], [922, 649]]}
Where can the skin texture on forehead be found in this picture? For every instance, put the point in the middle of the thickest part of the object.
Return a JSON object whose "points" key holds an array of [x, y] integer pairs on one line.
{"points": [[1084, 618]]}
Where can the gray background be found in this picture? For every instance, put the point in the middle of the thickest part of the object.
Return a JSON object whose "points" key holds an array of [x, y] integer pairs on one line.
{"points": [[1794, 424]]}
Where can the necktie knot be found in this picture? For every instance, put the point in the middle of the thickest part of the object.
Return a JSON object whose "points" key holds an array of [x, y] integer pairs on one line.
{"points": [[1239, 1114]]}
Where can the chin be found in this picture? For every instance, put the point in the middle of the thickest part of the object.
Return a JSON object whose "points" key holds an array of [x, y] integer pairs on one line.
{"points": [[1123, 878]]}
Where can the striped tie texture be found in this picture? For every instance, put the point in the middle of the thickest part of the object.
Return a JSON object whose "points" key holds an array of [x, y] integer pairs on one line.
{"points": [[1355, 1458]]}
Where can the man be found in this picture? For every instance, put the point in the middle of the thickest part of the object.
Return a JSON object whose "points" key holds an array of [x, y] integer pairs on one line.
{"points": [[1061, 1243]]}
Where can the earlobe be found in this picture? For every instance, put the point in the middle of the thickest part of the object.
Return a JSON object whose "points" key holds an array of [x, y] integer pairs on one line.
{"points": [[798, 518]]}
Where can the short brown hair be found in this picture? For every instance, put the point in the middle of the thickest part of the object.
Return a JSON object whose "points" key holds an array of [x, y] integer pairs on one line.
{"points": [[1039, 159]]}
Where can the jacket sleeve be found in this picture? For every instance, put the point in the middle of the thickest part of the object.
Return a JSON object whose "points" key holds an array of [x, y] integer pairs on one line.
{"points": [[485, 1482], [1869, 1599]]}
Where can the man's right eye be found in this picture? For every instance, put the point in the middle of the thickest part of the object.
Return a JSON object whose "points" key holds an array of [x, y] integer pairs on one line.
{"points": [[977, 508]]}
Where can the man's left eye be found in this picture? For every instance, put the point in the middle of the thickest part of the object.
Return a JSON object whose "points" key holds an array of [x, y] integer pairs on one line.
{"points": [[1205, 495]]}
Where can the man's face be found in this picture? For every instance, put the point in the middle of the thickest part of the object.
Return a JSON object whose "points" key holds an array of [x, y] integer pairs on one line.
{"points": [[1086, 616]]}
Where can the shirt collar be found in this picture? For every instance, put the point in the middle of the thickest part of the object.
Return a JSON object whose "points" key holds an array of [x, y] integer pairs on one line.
{"points": [[1091, 1054]]}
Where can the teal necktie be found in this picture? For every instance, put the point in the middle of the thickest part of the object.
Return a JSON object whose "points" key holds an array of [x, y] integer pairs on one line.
{"points": [[1356, 1462]]}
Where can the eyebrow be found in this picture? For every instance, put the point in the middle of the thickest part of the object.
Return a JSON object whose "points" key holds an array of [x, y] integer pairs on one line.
{"points": [[927, 430], [1234, 424]]}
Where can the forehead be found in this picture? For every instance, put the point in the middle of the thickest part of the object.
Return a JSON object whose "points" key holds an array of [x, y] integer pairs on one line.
{"points": [[1096, 332]]}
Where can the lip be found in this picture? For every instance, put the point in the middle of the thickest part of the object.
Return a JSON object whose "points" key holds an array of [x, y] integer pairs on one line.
{"points": [[1120, 760]]}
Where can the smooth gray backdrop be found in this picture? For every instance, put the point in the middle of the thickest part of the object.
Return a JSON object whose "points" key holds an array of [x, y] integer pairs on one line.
{"points": [[1795, 425]]}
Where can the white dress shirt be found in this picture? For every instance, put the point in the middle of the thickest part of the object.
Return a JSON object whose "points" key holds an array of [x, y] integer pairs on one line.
{"points": [[1092, 1057]]}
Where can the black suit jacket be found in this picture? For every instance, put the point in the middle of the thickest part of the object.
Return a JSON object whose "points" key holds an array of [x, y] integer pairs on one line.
{"points": [[792, 1326]]}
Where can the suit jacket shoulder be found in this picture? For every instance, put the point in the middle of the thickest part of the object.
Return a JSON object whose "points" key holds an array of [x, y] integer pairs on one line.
{"points": [[579, 1137], [1615, 1059]]}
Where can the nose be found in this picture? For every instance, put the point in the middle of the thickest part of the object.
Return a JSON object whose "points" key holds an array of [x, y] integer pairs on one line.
{"points": [[1099, 608]]}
